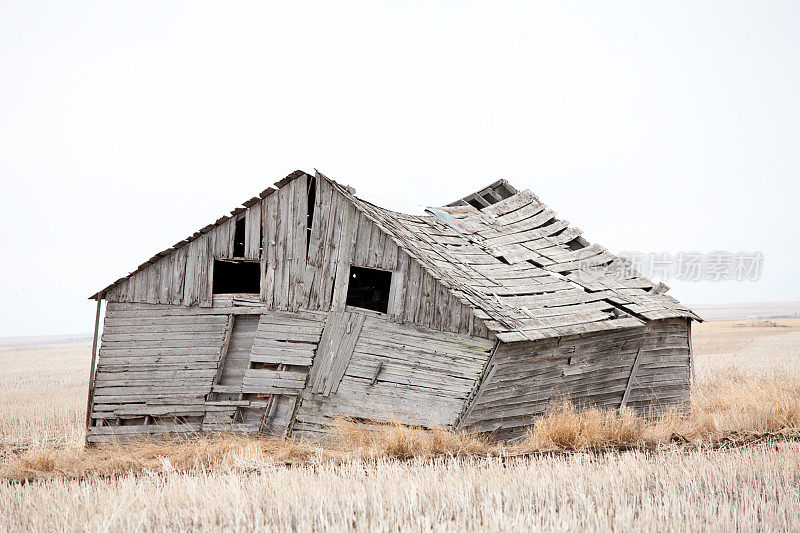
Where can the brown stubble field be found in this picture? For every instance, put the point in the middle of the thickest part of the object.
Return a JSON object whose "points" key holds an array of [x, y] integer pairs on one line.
{"points": [[733, 463]]}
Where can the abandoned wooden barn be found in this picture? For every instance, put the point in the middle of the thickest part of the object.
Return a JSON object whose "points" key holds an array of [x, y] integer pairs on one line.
{"points": [[308, 304]]}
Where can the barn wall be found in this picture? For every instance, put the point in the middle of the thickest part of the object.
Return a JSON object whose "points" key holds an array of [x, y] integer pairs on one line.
{"points": [[523, 378], [301, 269], [162, 368], [189, 368], [397, 373]]}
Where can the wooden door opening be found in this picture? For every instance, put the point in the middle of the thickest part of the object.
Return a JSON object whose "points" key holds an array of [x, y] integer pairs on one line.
{"points": [[236, 359]]}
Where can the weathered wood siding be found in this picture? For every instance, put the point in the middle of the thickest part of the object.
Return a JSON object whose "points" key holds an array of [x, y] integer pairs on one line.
{"points": [[160, 367], [187, 368], [302, 269], [396, 373], [523, 378]]}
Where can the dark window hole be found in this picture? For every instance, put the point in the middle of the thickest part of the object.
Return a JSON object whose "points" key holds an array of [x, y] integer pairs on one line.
{"points": [[312, 199], [236, 277], [369, 289], [238, 238]]}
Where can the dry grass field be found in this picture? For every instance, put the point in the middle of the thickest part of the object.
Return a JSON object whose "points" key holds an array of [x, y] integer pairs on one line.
{"points": [[733, 463]]}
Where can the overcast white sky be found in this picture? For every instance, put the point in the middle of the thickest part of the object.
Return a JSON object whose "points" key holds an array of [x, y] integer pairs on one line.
{"points": [[124, 127]]}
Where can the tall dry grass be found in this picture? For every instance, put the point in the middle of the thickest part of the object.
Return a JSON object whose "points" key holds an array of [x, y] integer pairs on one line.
{"points": [[745, 489], [734, 408]]}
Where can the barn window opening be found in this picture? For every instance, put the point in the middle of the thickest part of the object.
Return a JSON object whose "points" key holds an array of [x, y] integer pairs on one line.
{"points": [[368, 288], [238, 239], [236, 277], [312, 200]]}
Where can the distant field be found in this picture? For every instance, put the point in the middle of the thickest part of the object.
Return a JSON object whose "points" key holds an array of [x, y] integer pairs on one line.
{"points": [[757, 349], [744, 310], [748, 379]]}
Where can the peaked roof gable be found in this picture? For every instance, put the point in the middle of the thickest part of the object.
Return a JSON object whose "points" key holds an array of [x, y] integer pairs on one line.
{"points": [[526, 274], [205, 229]]}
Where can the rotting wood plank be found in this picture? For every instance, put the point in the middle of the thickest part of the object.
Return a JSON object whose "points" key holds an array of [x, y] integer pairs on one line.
{"points": [[253, 235], [342, 271], [352, 329], [328, 345]]}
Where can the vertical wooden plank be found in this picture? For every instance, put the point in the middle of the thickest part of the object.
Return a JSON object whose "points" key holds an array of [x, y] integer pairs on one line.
{"points": [[206, 268], [375, 250], [264, 244], [141, 286], [228, 230], [221, 239], [440, 304], [270, 221], [398, 289], [129, 290], [427, 301], [412, 291], [343, 258], [166, 278], [331, 248], [361, 249], [390, 253], [316, 250], [252, 232], [298, 268], [211, 236], [92, 367], [178, 275], [165, 275], [136, 287], [449, 308], [153, 281], [456, 316], [118, 293], [290, 225], [322, 213], [453, 310], [191, 280], [280, 247], [160, 272]]}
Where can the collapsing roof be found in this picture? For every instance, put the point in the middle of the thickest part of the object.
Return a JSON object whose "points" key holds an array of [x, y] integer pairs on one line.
{"points": [[526, 274]]}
